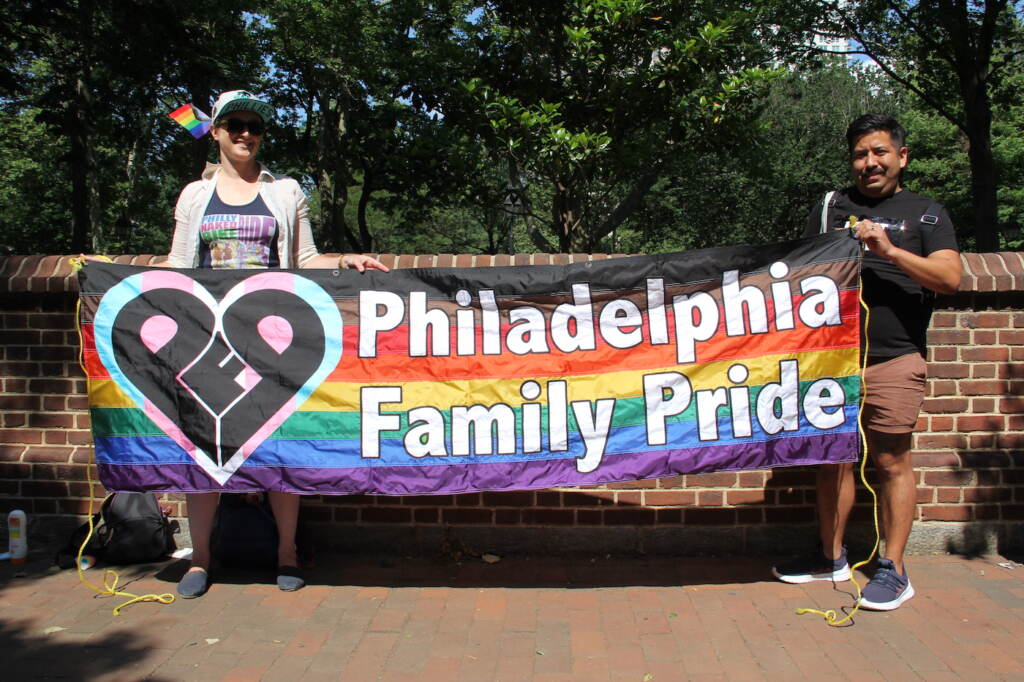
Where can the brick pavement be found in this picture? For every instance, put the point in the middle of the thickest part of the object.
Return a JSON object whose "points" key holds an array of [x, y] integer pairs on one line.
{"points": [[551, 619]]}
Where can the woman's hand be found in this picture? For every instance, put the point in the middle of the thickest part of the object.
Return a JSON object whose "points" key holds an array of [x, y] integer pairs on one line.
{"points": [[360, 262]]}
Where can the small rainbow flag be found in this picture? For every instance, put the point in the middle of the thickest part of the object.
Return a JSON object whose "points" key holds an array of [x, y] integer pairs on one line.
{"points": [[194, 120]]}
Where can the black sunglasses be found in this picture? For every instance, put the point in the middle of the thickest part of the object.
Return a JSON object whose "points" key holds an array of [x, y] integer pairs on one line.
{"points": [[237, 125]]}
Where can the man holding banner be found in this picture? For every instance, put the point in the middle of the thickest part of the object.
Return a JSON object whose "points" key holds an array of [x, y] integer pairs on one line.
{"points": [[910, 252]]}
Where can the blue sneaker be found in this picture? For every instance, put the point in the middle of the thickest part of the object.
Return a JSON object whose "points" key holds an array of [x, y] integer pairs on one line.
{"points": [[814, 566], [887, 589]]}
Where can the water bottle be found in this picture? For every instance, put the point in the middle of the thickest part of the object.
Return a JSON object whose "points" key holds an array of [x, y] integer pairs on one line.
{"points": [[17, 536]]}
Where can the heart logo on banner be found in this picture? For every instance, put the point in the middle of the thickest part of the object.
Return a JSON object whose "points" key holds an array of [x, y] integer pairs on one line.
{"points": [[218, 377]]}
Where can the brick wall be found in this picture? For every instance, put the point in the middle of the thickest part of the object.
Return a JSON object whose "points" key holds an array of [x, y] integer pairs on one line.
{"points": [[969, 448]]}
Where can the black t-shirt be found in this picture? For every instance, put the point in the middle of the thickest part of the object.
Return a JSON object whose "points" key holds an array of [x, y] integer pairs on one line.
{"points": [[900, 307]]}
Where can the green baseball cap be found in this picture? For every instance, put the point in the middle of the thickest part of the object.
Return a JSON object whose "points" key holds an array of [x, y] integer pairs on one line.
{"points": [[241, 100]]}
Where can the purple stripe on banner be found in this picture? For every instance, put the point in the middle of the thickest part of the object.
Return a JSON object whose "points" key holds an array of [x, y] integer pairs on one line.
{"points": [[828, 448]]}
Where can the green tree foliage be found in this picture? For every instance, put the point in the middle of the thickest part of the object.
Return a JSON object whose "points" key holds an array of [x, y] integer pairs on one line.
{"points": [[100, 75], [499, 126], [940, 163], [1008, 150], [950, 54], [761, 188], [358, 83], [34, 213], [758, 186], [594, 98]]}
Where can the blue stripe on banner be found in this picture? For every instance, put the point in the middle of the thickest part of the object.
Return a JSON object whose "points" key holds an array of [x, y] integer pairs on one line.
{"points": [[326, 454], [496, 474]]}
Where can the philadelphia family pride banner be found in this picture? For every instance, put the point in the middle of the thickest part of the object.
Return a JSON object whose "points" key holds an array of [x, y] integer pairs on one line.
{"points": [[443, 380]]}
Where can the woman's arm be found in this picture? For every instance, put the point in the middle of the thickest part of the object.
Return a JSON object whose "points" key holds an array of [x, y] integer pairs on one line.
{"points": [[306, 254], [358, 261], [179, 257]]}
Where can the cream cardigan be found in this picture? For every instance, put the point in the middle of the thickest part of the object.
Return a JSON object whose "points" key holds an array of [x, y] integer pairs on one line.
{"points": [[283, 196]]}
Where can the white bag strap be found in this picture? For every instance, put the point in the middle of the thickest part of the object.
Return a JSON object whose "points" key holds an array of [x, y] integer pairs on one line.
{"points": [[824, 211]]}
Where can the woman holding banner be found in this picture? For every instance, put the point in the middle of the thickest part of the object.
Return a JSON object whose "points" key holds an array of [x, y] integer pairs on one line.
{"points": [[240, 215]]}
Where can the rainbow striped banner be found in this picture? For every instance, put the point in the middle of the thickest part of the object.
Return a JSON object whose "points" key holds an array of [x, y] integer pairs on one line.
{"points": [[444, 380], [195, 121]]}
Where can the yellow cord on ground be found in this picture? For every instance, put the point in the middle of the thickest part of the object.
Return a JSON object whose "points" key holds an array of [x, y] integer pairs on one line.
{"points": [[831, 616], [110, 576]]}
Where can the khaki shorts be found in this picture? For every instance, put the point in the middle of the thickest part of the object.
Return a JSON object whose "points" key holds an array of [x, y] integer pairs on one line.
{"points": [[894, 393]]}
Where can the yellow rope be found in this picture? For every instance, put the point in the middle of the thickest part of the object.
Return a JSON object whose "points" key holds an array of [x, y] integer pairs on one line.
{"points": [[110, 576], [831, 615]]}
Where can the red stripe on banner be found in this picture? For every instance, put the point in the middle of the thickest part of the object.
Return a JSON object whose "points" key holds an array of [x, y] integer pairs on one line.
{"points": [[94, 369]]}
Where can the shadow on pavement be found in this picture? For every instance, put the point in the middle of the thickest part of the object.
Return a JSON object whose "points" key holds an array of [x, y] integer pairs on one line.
{"points": [[34, 655], [559, 572]]}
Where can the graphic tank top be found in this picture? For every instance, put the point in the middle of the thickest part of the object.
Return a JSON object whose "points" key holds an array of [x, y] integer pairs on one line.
{"points": [[238, 237]]}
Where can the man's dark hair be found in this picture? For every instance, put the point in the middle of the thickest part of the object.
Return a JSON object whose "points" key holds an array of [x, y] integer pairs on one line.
{"points": [[870, 123]]}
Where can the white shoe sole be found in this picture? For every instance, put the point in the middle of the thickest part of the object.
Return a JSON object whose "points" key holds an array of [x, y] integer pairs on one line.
{"points": [[839, 576], [889, 605]]}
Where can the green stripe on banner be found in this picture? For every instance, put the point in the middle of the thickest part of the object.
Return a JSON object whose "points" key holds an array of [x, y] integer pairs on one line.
{"points": [[122, 421]]}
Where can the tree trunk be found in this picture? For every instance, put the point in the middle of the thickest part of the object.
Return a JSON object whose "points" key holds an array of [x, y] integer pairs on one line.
{"points": [[365, 244], [324, 177], [973, 70], [565, 213], [124, 231], [332, 176], [345, 238], [630, 203], [983, 181], [83, 236], [333, 199], [80, 223], [79, 121]]}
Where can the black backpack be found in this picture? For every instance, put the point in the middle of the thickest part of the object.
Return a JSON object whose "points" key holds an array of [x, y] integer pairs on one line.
{"points": [[129, 528]]}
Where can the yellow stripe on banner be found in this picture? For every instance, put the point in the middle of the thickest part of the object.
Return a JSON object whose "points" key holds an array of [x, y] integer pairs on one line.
{"points": [[105, 393], [339, 396], [344, 397]]}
